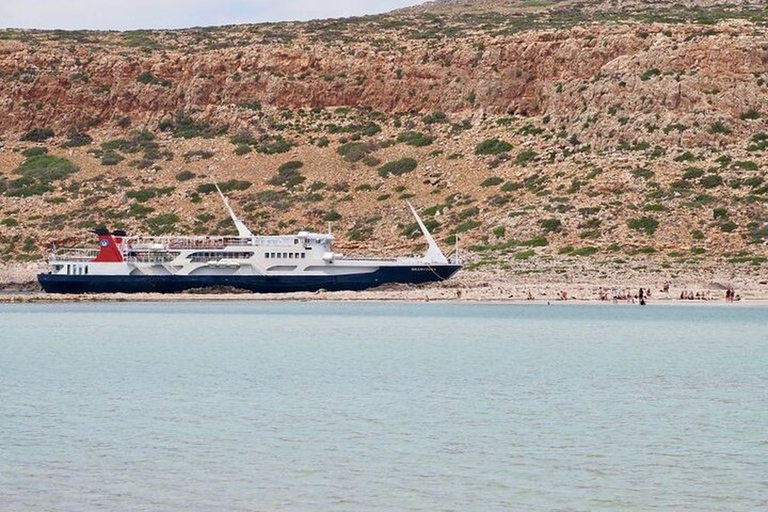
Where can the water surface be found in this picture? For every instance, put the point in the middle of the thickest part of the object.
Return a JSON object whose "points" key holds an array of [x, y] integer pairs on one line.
{"points": [[393, 406]]}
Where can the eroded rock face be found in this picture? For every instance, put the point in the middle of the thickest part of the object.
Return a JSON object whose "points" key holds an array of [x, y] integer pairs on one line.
{"points": [[588, 79]]}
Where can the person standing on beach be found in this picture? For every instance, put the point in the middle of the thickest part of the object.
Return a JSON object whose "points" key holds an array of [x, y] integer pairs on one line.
{"points": [[641, 296]]}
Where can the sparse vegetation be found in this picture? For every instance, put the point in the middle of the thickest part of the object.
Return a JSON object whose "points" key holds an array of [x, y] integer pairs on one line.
{"points": [[398, 167], [525, 156], [184, 125], [491, 181], [492, 147], [596, 163], [288, 175], [416, 139], [38, 135], [185, 176], [647, 225], [551, 225]]}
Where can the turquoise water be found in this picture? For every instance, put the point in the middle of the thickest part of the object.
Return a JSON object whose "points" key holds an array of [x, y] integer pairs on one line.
{"points": [[254, 406]]}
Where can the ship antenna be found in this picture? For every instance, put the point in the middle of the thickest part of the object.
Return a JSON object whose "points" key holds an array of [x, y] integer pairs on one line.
{"points": [[242, 229], [458, 258], [434, 254]]}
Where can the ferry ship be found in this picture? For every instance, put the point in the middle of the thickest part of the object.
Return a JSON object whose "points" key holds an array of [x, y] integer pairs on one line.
{"points": [[304, 261]]}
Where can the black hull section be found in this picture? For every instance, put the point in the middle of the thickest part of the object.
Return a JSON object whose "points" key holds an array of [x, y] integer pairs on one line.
{"points": [[258, 284]]}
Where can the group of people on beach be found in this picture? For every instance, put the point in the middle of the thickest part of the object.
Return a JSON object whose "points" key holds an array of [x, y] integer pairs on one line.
{"points": [[730, 295], [625, 295], [645, 294]]}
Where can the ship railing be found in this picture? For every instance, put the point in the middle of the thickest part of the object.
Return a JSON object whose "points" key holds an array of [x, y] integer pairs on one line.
{"points": [[209, 242], [365, 258], [74, 254]]}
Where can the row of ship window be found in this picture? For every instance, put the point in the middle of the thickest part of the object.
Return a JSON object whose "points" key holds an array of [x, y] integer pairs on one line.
{"points": [[199, 257], [285, 255]]}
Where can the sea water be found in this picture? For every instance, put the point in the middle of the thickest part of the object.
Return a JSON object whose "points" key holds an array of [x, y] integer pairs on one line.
{"points": [[254, 406]]}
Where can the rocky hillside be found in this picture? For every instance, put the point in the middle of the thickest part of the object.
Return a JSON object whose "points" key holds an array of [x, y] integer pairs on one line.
{"points": [[533, 130]]}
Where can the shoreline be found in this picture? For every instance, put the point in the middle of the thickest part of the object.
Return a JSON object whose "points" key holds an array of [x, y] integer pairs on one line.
{"points": [[592, 283], [43, 298]]}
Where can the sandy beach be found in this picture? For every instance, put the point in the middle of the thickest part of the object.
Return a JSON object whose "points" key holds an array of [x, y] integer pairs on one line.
{"points": [[555, 280]]}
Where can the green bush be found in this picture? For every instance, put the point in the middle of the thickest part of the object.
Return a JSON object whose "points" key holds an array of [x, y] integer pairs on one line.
{"points": [[491, 181], [77, 139], [416, 139], [398, 167], [147, 78], [551, 225], [46, 168], [711, 181], [288, 175], [719, 127], [758, 232], [230, 185], [643, 172], [468, 213], [292, 165], [524, 255], [355, 151], [525, 156], [759, 142], [511, 186], [746, 165], [198, 154], [537, 241], [144, 195], [492, 147], [468, 225], [34, 151], [649, 73], [163, 223], [647, 225], [243, 137], [690, 173], [750, 114], [38, 135], [435, 117], [185, 126], [274, 145], [242, 149], [585, 251], [332, 216], [111, 158], [185, 176], [687, 156]]}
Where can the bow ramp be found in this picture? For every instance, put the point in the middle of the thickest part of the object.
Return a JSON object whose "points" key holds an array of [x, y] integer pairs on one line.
{"points": [[434, 254], [242, 229]]}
